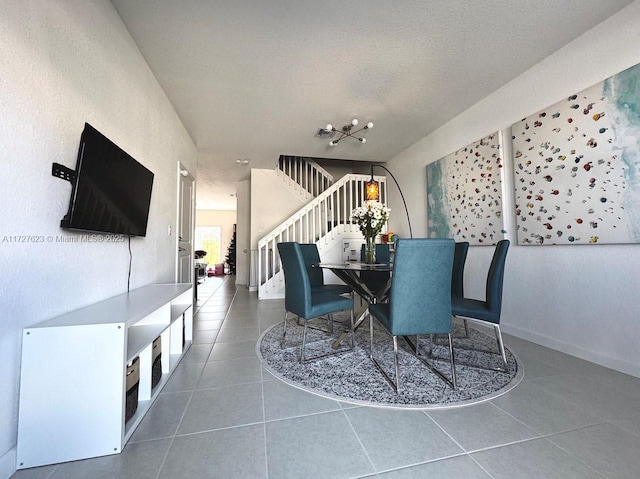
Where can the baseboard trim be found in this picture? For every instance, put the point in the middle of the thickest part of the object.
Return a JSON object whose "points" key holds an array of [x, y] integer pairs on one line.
{"points": [[8, 463], [573, 350]]}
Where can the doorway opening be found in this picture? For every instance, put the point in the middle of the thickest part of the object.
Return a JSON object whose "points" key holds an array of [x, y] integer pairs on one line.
{"points": [[209, 239]]}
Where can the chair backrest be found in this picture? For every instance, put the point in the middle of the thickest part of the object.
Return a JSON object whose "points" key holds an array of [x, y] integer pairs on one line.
{"points": [[311, 256], [457, 276], [376, 280], [297, 296], [383, 253], [420, 299], [495, 280]]}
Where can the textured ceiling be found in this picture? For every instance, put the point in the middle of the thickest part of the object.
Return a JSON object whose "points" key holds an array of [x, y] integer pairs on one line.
{"points": [[256, 79]]}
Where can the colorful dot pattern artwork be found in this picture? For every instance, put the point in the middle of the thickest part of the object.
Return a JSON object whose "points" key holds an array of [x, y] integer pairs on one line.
{"points": [[577, 167], [464, 194]]}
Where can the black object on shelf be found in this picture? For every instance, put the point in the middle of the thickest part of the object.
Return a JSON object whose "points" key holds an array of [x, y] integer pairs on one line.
{"points": [[156, 362], [231, 253], [132, 383]]}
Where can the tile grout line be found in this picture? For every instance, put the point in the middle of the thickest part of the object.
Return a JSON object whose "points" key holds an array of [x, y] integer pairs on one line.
{"points": [[559, 396], [212, 293], [570, 454], [480, 466], [467, 453], [264, 426], [175, 434], [264, 416], [543, 435], [429, 461], [55, 468], [515, 418], [364, 449]]}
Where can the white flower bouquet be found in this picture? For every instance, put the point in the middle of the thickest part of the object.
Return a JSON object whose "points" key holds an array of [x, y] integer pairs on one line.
{"points": [[370, 218]]}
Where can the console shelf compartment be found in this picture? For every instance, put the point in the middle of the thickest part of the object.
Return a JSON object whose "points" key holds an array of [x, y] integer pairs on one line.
{"points": [[139, 337], [178, 310], [73, 380]]}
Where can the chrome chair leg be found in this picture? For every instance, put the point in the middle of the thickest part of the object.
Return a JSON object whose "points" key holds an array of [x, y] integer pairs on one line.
{"points": [[284, 332], [501, 351], [353, 332], [415, 348], [370, 336], [395, 362], [330, 319], [454, 381], [328, 330], [376, 363], [465, 325], [304, 340], [496, 328]]}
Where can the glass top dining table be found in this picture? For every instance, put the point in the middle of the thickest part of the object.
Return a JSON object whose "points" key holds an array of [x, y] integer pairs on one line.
{"points": [[350, 274]]}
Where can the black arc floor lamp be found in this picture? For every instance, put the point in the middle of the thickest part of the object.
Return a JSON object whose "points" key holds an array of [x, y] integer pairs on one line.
{"points": [[372, 192]]}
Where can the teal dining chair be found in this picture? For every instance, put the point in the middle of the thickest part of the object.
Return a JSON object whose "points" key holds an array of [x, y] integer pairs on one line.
{"points": [[311, 258], [457, 276], [376, 281], [304, 303], [419, 300], [489, 310]]}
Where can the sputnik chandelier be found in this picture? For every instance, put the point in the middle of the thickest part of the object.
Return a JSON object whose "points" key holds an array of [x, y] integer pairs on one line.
{"points": [[348, 131]]}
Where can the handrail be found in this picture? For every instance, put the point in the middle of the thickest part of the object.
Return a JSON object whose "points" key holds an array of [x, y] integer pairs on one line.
{"points": [[319, 221], [304, 173]]}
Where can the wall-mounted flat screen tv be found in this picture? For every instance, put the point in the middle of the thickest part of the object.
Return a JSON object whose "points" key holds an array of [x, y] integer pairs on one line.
{"points": [[112, 191]]}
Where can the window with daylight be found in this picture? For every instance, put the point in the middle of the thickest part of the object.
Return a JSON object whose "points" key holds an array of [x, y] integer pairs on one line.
{"points": [[209, 239]]}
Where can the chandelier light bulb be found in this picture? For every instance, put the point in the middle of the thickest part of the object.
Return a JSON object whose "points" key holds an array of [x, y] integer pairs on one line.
{"points": [[350, 130]]}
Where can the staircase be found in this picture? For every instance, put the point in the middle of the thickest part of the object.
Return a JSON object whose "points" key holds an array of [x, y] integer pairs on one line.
{"points": [[325, 220], [304, 174]]}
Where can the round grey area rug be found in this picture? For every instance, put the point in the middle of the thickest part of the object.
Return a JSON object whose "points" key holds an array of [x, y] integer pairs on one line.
{"points": [[352, 377]]}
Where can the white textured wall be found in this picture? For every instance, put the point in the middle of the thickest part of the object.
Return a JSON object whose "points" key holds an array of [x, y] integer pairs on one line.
{"points": [[243, 232], [64, 63], [580, 299], [271, 203]]}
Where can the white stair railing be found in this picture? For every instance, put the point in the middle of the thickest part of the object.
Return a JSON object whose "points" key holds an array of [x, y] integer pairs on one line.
{"points": [[304, 173], [320, 221]]}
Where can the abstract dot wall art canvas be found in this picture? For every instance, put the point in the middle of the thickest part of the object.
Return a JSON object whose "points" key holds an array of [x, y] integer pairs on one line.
{"points": [[464, 194], [577, 167]]}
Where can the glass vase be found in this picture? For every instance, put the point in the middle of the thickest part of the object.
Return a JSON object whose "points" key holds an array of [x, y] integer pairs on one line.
{"points": [[370, 250]]}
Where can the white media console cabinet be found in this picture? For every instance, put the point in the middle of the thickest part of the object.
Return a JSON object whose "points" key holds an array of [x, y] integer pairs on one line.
{"points": [[73, 379]]}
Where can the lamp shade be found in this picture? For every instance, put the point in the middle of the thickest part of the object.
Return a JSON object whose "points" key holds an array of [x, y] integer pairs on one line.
{"points": [[372, 190]]}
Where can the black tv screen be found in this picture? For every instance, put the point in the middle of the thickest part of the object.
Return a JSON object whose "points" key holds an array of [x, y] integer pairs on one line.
{"points": [[112, 191]]}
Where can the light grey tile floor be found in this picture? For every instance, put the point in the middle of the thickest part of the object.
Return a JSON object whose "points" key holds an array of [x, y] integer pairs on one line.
{"points": [[221, 415]]}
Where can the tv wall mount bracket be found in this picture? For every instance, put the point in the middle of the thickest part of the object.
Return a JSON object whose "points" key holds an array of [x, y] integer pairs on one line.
{"points": [[64, 172]]}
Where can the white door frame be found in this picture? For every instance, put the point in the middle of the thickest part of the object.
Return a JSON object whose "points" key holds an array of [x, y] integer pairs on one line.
{"points": [[183, 173]]}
